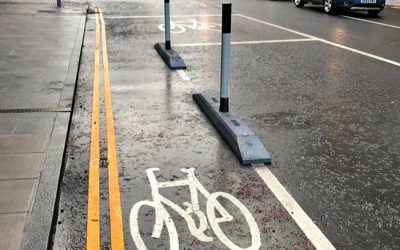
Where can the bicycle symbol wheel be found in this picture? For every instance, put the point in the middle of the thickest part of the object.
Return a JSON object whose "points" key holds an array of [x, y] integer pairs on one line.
{"points": [[214, 222], [165, 218], [175, 28]]}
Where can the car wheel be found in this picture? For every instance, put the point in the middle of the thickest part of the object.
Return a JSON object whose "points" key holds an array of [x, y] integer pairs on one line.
{"points": [[373, 12], [329, 6], [299, 3]]}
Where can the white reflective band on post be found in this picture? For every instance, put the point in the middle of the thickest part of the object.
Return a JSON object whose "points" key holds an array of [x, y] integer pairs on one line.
{"points": [[225, 64], [167, 22]]}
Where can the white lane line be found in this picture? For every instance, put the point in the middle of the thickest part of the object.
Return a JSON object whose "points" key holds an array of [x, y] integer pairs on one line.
{"points": [[247, 42], [362, 53], [144, 17], [313, 233], [326, 41], [277, 26], [369, 21], [182, 73]]}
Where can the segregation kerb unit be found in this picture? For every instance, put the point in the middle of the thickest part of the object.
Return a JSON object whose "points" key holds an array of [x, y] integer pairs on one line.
{"points": [[170, 56], [243, 142]]}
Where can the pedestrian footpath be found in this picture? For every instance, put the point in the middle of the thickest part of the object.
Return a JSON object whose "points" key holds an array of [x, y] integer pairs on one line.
{"points": [[40, 48]]}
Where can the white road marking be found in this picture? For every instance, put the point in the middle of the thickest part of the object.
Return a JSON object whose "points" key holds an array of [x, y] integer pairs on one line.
{"points": [[192, 208], [11, 53], [144, 17], [325, 41], [305, 223], [182, 73], [247, 42], [362, 53], [182, 26], [369, 21], [277, 26]]}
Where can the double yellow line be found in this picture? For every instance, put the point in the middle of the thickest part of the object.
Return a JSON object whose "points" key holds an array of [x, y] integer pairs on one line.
{"points": [[93, 218]]}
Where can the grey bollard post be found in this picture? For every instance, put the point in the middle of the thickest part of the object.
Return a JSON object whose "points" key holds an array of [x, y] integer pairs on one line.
{"points": [[59, 3], [167, 25], [225, 57]]}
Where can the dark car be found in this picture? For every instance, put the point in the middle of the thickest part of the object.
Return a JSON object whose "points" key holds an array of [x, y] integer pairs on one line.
{"points": [[373, 7]]}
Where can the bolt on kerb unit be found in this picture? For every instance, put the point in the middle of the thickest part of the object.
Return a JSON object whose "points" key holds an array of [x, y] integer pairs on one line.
{"points": [[243, 142], [170, 57]]}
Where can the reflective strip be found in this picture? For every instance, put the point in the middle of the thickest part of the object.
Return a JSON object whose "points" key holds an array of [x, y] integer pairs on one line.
{"points": [[225, 64], [167, 22]]}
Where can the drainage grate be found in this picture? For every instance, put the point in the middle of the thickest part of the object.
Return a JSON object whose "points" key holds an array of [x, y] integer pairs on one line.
{"points": [[35, 110]]}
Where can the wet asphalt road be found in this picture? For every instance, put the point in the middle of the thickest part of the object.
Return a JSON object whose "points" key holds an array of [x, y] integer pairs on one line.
{"points": [[329, 117]]}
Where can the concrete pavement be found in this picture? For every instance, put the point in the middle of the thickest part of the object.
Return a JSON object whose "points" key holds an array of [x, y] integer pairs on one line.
{"points": [[39, 58]]}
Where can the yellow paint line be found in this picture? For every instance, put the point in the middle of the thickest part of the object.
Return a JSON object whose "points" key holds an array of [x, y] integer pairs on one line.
{"points": [[93, 219], [116, 225]]}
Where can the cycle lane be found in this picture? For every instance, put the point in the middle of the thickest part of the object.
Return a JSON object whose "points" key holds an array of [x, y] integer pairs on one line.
{"points": [[161, 136], [159, 126], [288, 106]]}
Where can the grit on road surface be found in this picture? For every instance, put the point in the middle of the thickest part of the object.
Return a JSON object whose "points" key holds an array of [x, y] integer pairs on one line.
{"points": [[322, 93]]}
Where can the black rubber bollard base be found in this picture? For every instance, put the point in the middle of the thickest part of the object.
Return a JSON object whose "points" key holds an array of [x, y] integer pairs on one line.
{"points": [[243, 142], [170, 57]]}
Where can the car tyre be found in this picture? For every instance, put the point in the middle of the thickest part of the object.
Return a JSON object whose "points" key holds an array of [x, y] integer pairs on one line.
{"points": [[329, 7], [299, 3], [373, 12]]}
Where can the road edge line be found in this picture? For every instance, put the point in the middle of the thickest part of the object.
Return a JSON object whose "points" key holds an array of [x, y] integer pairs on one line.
{"points": [[313, 233], [93, 217], [116, 223]]}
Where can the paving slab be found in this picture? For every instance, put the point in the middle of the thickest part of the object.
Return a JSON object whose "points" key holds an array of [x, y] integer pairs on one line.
{"points": [[21, 166], [16, 195], [23, 143], [11, 226], [7, 126], [39, 124]]}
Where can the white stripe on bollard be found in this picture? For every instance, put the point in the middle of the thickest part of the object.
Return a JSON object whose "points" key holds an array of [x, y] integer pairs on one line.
{"points": [[225, 64]]}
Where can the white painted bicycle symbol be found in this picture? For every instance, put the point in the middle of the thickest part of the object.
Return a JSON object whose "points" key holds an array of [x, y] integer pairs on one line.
{"points": [[182, 26], [163, 217]]}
